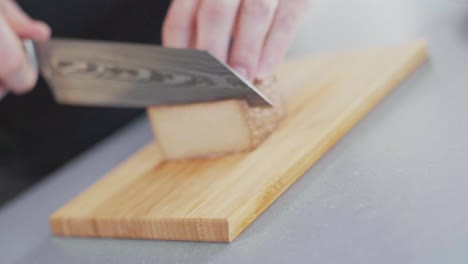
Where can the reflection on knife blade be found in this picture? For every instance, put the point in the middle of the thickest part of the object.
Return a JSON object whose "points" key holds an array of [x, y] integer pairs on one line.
{"points": [[136, 75]]}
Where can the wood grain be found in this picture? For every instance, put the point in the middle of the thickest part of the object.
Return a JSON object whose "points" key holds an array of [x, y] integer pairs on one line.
{"points": [[215, 199]]}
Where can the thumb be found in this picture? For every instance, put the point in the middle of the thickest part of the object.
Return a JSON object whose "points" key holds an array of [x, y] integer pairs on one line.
{"points": [[22, 24]]}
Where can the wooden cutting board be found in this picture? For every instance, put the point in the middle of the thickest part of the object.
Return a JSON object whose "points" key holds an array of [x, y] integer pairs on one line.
{"points": [[214, 200]]}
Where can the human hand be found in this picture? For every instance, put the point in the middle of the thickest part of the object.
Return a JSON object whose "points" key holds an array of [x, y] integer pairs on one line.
{"points": [[17, 74], [261, 30]]}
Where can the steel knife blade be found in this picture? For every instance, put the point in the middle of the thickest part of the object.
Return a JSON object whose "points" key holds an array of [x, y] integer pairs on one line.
{"points": [[101, 73]]}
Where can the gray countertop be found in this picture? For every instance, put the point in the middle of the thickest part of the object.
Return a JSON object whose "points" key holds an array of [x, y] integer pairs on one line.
{"points": [[394, 190]]}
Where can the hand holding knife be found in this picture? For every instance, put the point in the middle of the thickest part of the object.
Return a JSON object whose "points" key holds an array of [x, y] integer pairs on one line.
{"points": [[17, 75], [261, 32]]}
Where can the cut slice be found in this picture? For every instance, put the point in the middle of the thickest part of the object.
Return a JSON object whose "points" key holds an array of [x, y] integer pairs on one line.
{"points": [[210, 129]]}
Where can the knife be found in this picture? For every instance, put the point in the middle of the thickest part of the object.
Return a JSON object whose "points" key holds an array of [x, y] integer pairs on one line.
{"points": [[100, 73]]}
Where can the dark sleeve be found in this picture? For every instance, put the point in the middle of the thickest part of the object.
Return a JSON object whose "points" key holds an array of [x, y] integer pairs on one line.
{"points": [[37, 135]]}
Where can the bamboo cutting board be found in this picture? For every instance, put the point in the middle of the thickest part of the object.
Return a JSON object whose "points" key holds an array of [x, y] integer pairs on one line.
{"points": [[214, 200]]}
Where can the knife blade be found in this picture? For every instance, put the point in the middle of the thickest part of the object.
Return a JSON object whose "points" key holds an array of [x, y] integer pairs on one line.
{"points": [[101, 73]]}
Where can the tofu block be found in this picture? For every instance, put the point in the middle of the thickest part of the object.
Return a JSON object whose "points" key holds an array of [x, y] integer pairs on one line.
{"points": [[209, 129]]}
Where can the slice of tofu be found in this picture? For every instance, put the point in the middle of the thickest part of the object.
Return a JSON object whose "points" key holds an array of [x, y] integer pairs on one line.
{"points": [[202, 130]]}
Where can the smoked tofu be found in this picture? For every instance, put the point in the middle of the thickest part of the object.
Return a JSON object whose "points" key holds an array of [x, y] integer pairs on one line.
{"points": [[202, 130]]}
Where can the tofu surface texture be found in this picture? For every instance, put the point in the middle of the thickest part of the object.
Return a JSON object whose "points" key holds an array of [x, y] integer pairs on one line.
{"points": [[210, 129]]}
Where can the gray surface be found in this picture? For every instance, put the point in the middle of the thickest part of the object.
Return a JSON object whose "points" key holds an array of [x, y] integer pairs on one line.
{"points": [[394, 190]]}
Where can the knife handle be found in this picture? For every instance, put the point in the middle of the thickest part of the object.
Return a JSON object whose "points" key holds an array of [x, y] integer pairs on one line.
{"points": [[30, 52]]}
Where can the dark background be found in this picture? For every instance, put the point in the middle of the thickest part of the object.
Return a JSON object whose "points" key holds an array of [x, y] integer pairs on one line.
{"points": [[36, 134]]}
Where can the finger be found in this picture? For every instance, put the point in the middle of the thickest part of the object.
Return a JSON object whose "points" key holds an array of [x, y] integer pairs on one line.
{"points": [[215, 21], [16, 73], [179, 25], [255, 18], [22, 24], [281, 34]]}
